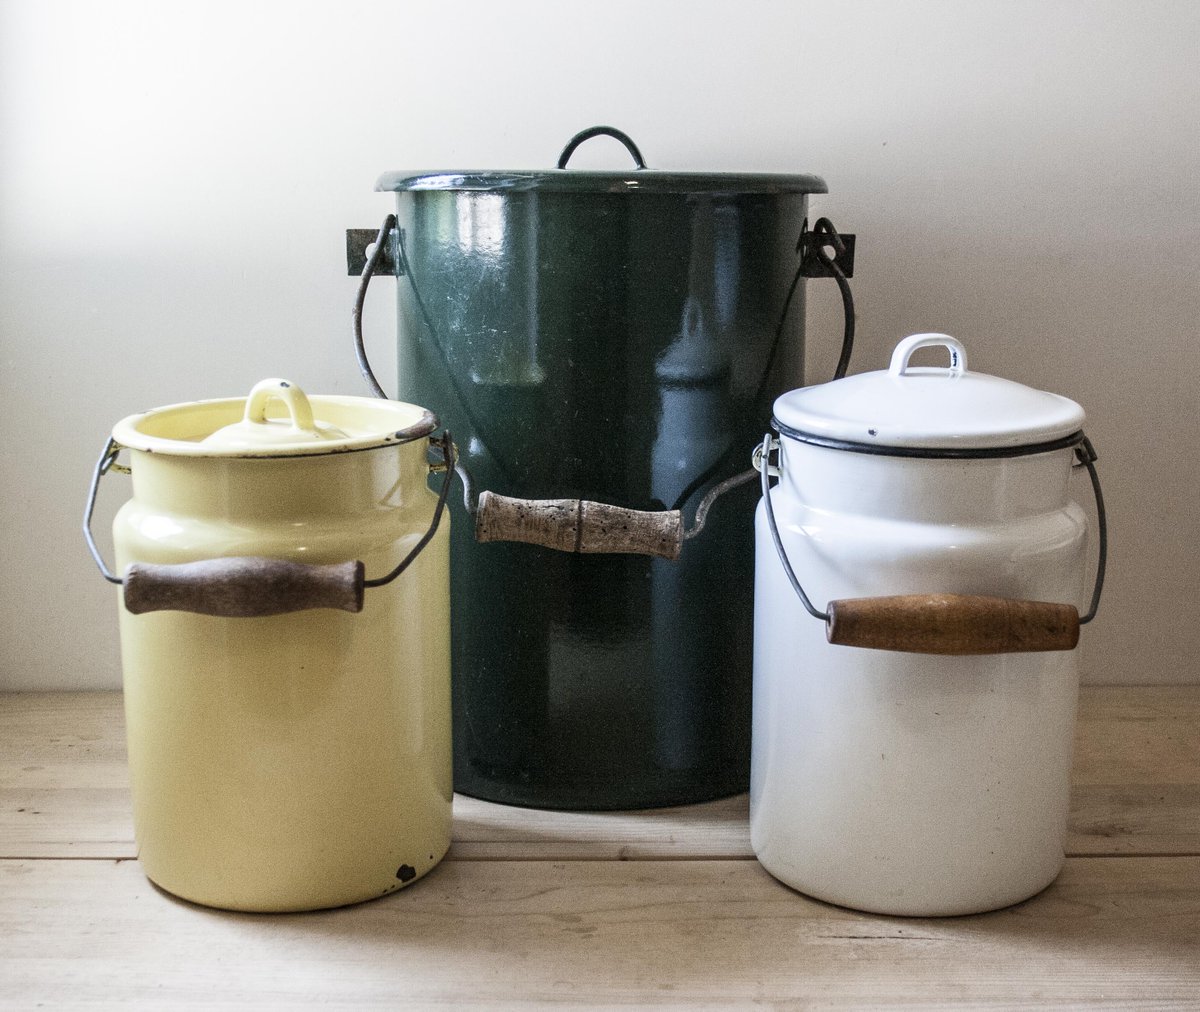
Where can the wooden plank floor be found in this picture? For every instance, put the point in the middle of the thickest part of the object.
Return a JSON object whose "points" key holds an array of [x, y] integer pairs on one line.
{"points": [[663, 908]]}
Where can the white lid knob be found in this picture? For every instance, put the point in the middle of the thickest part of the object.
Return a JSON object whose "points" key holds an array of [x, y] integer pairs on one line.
{"points": [[904, 351]]}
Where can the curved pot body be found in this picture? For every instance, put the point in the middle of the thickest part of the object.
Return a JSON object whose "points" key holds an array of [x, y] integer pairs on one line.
{"points": [[912, 783], [606, 340], [293, 761]]}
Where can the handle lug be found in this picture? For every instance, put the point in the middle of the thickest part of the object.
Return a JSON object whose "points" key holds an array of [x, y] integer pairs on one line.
{"points": [[359, 240], [813, 266]]}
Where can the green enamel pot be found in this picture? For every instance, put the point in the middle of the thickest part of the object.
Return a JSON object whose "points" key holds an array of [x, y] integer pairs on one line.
{"points": [[616, 336]]}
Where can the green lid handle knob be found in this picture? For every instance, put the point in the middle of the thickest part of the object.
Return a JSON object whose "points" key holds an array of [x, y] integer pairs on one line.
{"points": [[601, 131]]}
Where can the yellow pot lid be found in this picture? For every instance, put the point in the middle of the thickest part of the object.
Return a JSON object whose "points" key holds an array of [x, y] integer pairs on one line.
{"points": [[276, 419]]}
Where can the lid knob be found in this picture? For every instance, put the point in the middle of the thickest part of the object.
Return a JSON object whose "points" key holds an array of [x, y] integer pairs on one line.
{"points": [[299, 410], [257, 430], [904, 351]]}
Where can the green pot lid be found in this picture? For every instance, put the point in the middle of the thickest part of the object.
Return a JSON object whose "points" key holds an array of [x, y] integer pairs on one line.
{"points": [[635, 180], [581, 181]]}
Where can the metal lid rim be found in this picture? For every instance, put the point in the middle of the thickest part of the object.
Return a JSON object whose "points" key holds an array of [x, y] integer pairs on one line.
{"points": [[577, 180], [126, 434], [930, 452]]}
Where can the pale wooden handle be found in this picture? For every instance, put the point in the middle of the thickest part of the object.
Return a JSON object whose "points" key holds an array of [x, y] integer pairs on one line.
{"points": [[578, 525], [243, 587], [952, 624]]}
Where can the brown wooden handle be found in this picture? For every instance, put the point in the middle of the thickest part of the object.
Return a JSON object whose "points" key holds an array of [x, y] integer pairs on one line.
{"points": [[952, 624], [578, 525], [243, 587]]}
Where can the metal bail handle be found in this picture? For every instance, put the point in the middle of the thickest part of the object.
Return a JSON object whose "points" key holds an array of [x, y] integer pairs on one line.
{"points": [[250, 586], [574, 525], [950, 624], [570, 525]]}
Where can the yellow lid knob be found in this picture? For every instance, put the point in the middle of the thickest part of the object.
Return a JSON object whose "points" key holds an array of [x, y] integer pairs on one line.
{"points": [[257, 430]]}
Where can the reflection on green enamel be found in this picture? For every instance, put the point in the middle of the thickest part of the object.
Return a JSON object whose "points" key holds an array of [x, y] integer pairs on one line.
{"points": [[601, 336]]}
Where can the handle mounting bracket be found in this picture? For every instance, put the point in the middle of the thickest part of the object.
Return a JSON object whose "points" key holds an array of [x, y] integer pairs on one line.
{"points": [[812, 265], [359, 240]]}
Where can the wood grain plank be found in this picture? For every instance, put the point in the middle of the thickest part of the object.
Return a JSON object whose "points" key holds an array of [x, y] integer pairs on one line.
{"points": [[1131, 735], [1111, 933], [64, 785], [64, 790], [1137, 771]]}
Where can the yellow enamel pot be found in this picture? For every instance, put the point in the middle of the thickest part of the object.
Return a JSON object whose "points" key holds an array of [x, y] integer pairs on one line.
{"points": [[285, 645]]}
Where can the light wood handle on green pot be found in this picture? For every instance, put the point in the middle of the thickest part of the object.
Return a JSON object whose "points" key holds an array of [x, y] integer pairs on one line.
{"points": [[952, 624], [243, 587], [578, 525]]}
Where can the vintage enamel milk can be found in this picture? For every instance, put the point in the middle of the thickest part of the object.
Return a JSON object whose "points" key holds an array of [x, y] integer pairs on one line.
{"points": [[616, 337], [285, 645], [919, 567]]}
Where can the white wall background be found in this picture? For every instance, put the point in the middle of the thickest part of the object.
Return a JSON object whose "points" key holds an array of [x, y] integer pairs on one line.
{"points": [[175, 181]]}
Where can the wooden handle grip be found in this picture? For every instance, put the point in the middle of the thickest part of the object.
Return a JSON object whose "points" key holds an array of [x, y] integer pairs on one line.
{"points": [[578, 525], [243, 587], [952, 624]]}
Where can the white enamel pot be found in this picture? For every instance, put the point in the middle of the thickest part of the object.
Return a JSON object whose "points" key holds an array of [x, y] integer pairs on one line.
{"points": [[919, 569]]}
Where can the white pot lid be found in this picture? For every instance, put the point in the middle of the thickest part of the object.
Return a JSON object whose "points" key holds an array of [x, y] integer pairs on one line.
{"points": [[947, 409]]}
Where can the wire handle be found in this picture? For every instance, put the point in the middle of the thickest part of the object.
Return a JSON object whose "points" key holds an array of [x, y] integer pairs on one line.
{"points": [[360, 298], [250, 586], [954, 624], [813, 244]]}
